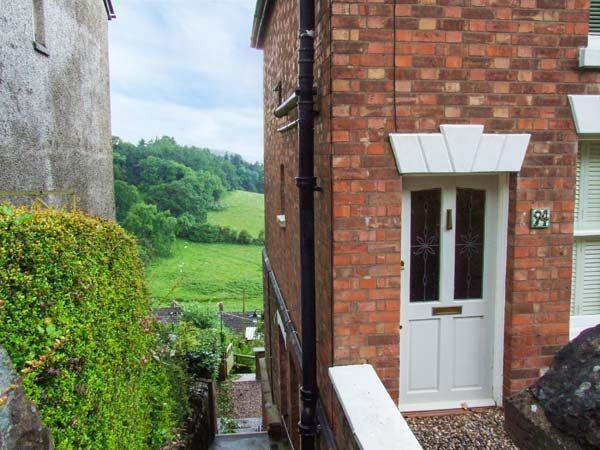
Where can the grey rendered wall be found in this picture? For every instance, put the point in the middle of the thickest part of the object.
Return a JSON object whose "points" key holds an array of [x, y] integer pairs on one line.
{"points": [[55, 111]]}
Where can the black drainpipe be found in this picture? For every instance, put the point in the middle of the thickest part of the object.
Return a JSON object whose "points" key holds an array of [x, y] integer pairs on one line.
{"points": [[307, 184]]}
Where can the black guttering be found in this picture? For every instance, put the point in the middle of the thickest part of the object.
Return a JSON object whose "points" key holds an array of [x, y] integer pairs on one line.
{"points": [[110, 10], [261, 16], [307, 185]]}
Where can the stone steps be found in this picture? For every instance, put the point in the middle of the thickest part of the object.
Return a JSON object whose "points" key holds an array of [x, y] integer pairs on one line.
{"points": [[248, 441]]}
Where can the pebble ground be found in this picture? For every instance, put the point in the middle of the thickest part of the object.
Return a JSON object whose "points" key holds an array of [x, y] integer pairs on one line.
{"points": [[465, 431], [245, 396]]}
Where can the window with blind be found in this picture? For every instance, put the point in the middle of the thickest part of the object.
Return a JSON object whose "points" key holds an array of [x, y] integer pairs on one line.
{"points": [[585, 295], [595, 17]]}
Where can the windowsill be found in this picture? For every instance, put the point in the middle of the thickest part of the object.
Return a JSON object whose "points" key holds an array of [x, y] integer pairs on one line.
{"points": [[586, 232], [580, 323], [41, 48], [589, 57]]}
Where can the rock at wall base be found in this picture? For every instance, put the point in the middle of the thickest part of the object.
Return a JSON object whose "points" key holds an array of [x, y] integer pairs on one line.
{"points": [[21, 426], [529, 428], [569, 392]]}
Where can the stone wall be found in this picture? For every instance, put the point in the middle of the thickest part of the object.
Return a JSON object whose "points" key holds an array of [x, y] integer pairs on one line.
{"points": [[55, 110], [20, 424], [202, 422]]}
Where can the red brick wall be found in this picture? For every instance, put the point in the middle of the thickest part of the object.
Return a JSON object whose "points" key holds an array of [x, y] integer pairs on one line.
{"points": [[509, 68], [411, 68], [280, 66], [281, 244], [366, 189], [323, 202]]}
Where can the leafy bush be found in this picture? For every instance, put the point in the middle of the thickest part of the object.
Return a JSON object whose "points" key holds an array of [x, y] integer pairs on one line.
{"points": [[201, 315], [210, 233], [75, 319], [201, 348], [185, 225]]}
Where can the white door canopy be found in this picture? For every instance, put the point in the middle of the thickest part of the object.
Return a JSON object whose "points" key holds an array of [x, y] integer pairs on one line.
{"points": [[459, 149]]}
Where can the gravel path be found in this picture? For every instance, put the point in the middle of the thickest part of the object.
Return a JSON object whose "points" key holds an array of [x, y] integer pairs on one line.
{"points": [[245, 396], [468, 431]]}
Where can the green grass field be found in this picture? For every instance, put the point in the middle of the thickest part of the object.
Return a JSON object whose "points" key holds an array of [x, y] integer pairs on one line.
{"points": [[208, 273], [243, 211]]}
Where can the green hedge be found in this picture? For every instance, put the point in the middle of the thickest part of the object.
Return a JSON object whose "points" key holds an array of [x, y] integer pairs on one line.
{"points": [[75, 319]]}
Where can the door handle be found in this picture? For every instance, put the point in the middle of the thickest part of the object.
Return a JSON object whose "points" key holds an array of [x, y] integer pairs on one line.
{"points": [[448, 219]]}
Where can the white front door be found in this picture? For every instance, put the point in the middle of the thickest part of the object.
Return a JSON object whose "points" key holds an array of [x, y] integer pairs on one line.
{"points": [[450, 228]]}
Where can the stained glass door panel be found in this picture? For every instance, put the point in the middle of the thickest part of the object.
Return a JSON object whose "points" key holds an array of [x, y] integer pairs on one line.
{"points": [[469, 240], [425, 245]]}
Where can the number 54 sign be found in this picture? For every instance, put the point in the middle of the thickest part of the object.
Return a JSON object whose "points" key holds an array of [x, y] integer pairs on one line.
{"points": [[540, 218]]}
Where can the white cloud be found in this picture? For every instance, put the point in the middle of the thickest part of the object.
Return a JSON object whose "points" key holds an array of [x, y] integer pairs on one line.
{"points": [[225, 129], [184, 68]]}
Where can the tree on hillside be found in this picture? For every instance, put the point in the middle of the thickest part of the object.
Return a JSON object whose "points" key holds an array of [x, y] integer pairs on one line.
{"points": [[126, 195], [231, 169], [195, 194], [154, 229], [155, 170]]}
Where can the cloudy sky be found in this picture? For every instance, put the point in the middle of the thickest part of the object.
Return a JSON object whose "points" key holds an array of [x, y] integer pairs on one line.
{"points": [[184, 68]]}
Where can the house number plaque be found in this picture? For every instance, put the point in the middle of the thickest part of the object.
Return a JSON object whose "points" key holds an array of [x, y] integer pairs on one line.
{"points": [[540, 218]]}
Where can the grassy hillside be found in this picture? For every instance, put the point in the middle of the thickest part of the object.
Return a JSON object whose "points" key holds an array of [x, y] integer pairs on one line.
{"points": [[208, 273], [243, 211]]}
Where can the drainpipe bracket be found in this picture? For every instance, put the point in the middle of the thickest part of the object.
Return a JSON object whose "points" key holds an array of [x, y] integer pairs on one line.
{"points": [[315, 91], [308, 182]]}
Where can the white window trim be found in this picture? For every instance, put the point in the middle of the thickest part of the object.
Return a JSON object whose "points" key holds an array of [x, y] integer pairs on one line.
{"points": [[589, 57]]}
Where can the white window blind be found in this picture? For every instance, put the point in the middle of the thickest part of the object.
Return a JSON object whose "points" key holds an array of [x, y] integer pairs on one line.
{"points": [[595, 17], [585, 293]]}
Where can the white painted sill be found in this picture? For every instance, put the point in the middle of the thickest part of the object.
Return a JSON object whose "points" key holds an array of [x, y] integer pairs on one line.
{"points": [[581, 323], [589, 57], [586, 232], [375, 420]]}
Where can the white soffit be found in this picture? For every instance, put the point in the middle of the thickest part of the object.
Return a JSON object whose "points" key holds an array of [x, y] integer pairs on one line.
{"points": [[459, 149], [375, 420], [586, 112]]}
